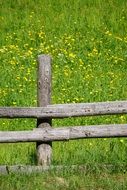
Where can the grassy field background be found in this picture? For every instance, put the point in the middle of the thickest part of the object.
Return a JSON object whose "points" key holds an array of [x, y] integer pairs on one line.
{"points": [[87, 40]]}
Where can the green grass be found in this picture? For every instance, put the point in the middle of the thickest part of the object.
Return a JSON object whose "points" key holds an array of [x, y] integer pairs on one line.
{"points": [[68, 180], [87, 40]]}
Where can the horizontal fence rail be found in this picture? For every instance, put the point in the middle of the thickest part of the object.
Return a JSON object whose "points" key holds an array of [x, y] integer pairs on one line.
{"points": [[65, 110], [28, 169], [64, 133]]}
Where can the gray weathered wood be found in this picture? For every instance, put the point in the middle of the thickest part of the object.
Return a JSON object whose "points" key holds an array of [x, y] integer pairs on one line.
{"points": [[44, 135], [65, 110], [64, 133], [28, 169], [44, 150]]}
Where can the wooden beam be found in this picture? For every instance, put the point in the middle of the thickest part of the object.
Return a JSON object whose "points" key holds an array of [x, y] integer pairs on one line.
{"points": [[65, 110], [64, 133], [28, 169], [44, 150]]}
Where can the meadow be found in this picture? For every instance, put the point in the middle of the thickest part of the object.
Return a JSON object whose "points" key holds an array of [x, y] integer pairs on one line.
{"points": [[87, 40]]}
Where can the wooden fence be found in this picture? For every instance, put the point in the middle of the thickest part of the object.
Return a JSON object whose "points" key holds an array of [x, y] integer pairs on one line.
{"points": [[44, 134]]}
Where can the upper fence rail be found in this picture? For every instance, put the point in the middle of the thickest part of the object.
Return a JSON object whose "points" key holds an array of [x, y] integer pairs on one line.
{"points": [[65, 110]]}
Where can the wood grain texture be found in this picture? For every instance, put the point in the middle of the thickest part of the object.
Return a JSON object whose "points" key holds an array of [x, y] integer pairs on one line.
{"points": [[28, 169], [44, 150], [64, 133], [44, 80], [65, 110]]}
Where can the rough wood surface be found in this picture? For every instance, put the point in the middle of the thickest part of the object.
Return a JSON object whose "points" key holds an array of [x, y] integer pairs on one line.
{"points": [[65, 110], [28, 169], [44, 150], [64, 133]]}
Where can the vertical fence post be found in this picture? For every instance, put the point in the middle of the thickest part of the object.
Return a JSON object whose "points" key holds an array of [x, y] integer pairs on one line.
{"points": [[44, 150]]}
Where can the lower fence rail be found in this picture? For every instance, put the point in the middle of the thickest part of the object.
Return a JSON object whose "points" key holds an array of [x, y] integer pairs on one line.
{"points": [[28, 169], [64, 133]]}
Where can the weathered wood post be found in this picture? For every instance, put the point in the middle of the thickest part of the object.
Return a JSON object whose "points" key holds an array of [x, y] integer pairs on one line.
{"points": [[44, 150]]}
